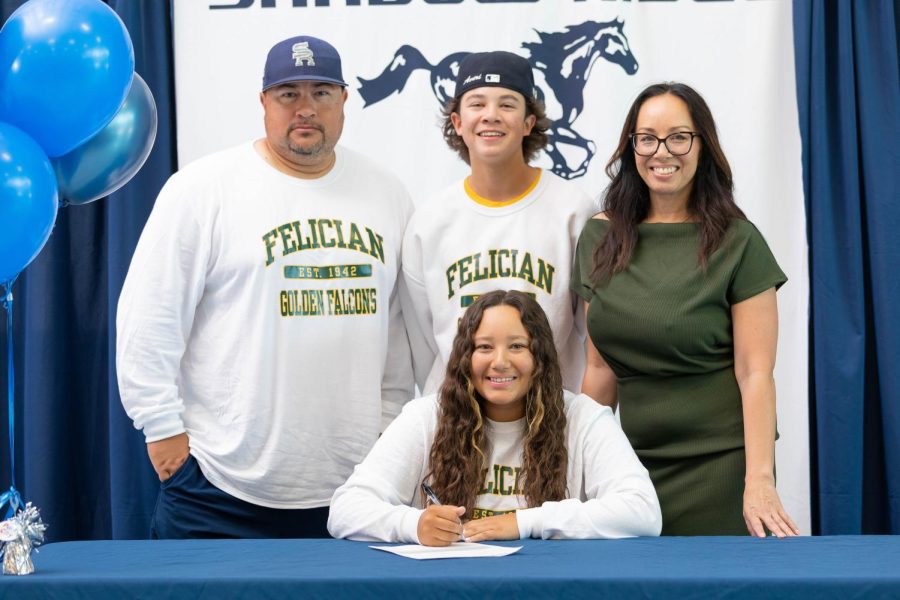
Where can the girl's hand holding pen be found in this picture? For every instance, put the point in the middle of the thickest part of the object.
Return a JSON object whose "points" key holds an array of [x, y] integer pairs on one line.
{"points": [[440, 525]]}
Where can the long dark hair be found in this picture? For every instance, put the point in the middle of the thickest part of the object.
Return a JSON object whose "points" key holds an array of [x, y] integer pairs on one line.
{"points": [[627, 201], [459, 453]]}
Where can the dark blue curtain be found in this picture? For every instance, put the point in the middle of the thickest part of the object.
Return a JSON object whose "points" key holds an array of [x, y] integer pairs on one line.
{"points": [[78, 456], [80, 460], [849, 99]]}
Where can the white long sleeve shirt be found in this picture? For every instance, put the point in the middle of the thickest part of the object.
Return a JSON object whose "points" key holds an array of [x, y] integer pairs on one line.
{"points": [[609, 493], [259, 315]]}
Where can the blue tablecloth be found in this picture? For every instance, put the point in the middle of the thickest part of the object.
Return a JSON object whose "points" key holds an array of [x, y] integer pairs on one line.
{"points": [[725, 567]]}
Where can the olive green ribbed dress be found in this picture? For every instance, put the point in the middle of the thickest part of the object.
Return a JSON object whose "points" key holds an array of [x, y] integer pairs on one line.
{"points": [[664, 327]]}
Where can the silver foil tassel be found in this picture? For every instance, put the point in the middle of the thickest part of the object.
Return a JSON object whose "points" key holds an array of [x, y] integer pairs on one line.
{"points": [[17, 559], [20, 535]]}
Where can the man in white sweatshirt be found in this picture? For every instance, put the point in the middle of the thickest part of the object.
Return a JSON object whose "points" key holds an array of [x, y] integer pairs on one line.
{"points": [[260, 343]]}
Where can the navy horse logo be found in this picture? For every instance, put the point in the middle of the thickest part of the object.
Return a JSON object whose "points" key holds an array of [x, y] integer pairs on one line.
{"points": [[563, 58]]}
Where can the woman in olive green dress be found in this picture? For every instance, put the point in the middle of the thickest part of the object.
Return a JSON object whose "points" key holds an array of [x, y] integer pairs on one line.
{"points": [[680, 305]]}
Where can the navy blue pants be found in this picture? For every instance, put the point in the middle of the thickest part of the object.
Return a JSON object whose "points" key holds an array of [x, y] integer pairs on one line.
{"points": [[190, 507]]}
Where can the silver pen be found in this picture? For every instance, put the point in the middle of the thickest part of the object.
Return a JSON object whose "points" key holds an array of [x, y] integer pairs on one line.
{"points": [[429, 493]]}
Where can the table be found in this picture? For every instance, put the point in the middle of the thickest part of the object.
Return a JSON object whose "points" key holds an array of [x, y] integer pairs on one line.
{"points": [[704, 567]]}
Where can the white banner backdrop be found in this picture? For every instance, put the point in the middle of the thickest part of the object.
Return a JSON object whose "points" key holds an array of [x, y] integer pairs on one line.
{"points": [[591, 59]]}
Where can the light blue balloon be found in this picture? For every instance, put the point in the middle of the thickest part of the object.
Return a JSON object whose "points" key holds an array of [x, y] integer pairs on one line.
{"points": [[28, 200], [107, 161], [65, 68]]}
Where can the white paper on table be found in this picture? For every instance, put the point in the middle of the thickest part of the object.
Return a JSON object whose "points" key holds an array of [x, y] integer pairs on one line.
{"points": [[455, 550]]}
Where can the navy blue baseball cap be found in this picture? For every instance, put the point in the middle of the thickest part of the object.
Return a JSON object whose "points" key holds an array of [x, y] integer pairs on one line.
{"points": [[498, 69], [302, 58]]}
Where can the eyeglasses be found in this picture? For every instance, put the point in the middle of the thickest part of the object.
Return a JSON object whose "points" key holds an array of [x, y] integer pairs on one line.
{"points": [[678, 143]]}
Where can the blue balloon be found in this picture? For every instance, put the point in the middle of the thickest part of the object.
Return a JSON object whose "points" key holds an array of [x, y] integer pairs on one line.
{"points": [[65, 68], [111, 158], [28, 200]]}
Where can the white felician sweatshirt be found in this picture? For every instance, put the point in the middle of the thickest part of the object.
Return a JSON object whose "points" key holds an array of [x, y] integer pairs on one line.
{"points": [[610, 494], [259, 315], [458, 246]]}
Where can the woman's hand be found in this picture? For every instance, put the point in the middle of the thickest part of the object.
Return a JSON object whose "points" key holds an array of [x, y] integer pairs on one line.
{"points": [[440, 525], [755, 326], [763, 510], [499, 527]]}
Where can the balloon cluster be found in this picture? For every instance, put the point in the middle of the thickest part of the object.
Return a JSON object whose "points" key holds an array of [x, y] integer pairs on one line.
{"points": [[76, 121]]}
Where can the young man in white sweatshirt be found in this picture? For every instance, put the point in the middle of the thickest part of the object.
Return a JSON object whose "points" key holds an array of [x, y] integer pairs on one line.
{"points": [[507, 225]]}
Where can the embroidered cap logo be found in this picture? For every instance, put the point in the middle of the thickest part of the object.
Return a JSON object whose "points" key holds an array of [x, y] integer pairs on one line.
{"points": [[492, 78], [301, 54]]}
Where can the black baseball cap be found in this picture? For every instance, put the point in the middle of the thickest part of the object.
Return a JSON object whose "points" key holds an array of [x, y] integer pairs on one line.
{"points": [[302, 58], [497, 69]]}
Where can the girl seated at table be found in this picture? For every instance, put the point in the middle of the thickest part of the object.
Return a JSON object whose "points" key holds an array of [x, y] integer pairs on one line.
{"points": [[507, 452]]}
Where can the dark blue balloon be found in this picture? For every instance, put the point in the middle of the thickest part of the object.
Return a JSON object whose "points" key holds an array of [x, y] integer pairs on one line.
{"points": [[28, 200], [108, 160], [65, 68]]}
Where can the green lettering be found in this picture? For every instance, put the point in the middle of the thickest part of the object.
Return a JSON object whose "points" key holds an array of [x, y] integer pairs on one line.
{"points": [[451, 270], [545, 276], [493, 255], [526, 272], [480, 273], [269, 241], [501, 270], [314, 241], [323, 239], [286, 240], [340, 233], [465, 278], [356, 241], [503, 489], [302, 242], [376, 245]]}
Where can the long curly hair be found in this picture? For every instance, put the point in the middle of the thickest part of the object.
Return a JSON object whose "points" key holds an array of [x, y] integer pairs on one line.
{"points": [[532, 143], [458, 458], [627, 201]]}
